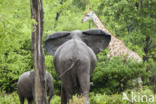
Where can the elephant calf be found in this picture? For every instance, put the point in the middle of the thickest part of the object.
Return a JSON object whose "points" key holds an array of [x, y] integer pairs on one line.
{"points": [[25, 86]]}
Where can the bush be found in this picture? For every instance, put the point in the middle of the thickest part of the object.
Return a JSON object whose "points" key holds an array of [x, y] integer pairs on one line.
{"points": [[115, 75], [15, 43]]}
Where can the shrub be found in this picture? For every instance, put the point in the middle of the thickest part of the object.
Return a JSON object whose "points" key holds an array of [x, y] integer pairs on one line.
{"points": [[111, 76], [15, 43]]}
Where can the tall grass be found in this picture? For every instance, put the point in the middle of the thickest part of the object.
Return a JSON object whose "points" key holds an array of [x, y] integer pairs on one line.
{"points": [[94, 98]]}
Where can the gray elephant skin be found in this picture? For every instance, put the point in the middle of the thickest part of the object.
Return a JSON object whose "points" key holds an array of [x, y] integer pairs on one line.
{"points": [[25, 86], [75, 58]]}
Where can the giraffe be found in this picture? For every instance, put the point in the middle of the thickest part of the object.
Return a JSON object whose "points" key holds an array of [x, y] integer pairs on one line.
{"points": [[116, 47]]}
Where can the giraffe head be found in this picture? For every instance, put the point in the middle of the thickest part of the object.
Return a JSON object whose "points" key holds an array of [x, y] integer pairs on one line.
{"points": [[88, 16]]}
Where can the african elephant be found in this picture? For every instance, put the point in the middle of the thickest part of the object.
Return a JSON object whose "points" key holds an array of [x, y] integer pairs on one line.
{"points": [[75, 58], [25, 86]]}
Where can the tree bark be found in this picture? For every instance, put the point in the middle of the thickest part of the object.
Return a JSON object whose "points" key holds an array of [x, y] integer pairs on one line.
{"points": [[148, 43], [142, 3], [37, 52], [58, 14]]}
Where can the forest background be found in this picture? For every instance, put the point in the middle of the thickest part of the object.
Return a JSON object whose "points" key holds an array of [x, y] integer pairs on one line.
{"points": [[132, 21]]}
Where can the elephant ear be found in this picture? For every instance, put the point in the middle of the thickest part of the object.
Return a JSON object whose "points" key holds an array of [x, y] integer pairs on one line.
{"points": [[55, 40], [96, 39]]}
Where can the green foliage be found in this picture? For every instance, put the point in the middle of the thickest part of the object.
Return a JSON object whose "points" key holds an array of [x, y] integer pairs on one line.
{"points": [[106, 99], [77, 100], [15, 48], [122, 18], [116, 75], [14, 99], [55, 100], [94, 98], [9, 98], [118, 98]]}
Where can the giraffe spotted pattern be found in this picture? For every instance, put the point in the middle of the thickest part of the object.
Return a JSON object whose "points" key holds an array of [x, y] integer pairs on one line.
{"points": [[116, 47]]}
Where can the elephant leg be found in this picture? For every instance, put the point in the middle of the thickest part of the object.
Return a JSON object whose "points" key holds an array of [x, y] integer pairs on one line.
{"points": [[63, 96], [30, 100], [49, 99], [67, 89], [79, 91], [21, 99], [84, 81], [50, 91]]}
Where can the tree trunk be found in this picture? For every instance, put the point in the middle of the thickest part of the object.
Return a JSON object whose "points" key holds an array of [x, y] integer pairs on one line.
{"points": [[142, 3], [37, 52], [147, 48], [58, 14]]}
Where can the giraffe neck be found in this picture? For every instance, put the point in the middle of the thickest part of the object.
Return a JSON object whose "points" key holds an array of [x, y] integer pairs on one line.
{"points": [[99, 24]]}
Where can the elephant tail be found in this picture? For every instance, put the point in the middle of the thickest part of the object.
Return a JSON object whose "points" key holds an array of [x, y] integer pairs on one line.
{"points": [[71, 67]]}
